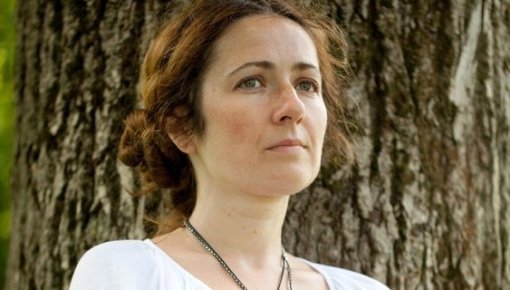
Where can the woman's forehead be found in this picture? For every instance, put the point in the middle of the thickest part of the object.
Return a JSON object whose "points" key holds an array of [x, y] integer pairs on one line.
{"points": [[269, 38]]}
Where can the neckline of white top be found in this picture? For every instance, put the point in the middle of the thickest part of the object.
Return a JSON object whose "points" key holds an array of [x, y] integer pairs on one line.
{"points": [[191, 276]]}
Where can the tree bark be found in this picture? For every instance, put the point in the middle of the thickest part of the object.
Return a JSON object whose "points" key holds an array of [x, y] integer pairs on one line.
{"points": [[426, 205]]}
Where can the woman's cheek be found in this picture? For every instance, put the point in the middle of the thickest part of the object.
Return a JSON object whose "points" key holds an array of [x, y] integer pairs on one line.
{"points": [[237, 126]]}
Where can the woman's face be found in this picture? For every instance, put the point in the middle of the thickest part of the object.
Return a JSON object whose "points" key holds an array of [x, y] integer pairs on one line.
{"points": [[265, 118]]}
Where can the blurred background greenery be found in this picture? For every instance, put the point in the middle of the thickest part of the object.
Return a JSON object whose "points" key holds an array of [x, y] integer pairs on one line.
{"points": [[7, 44]]}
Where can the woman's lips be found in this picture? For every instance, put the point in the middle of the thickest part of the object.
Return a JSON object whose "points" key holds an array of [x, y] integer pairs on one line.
{"points": [[287, 145]]}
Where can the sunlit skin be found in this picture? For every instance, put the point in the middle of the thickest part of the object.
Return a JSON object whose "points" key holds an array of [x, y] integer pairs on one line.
{"points": [[265, 122]]}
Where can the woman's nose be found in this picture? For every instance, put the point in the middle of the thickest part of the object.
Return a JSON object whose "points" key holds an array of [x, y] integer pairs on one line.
{"points": [[290, 107]]}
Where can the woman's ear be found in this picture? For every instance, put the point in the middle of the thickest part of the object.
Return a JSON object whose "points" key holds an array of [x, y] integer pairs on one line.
{"points": [[181, 137], [185, 142]]}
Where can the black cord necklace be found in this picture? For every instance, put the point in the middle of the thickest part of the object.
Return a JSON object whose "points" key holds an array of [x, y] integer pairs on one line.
{"points": [[224, 265]]}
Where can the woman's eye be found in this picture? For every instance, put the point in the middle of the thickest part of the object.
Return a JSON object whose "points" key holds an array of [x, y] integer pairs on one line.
{"points": [[308, 86], [250, 83]]}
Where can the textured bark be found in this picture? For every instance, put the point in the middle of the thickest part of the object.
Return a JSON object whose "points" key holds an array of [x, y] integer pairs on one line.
{"points": [[76, 75], [426, 205]]}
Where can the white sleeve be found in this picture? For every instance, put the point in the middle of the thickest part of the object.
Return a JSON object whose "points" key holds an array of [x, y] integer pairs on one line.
{"points": [[101, 269]]}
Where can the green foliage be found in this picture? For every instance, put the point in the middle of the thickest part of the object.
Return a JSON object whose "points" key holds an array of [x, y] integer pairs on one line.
{"points": [[7, 44]]}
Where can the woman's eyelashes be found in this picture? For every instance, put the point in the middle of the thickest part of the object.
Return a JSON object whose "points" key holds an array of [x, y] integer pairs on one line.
{"points": [[307, 85], [250, 83]]}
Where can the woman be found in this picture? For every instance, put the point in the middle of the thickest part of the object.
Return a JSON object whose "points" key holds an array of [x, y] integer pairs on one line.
{"points": [[239, 97]]}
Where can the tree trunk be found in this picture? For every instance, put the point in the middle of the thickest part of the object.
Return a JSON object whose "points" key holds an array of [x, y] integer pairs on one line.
{"points": [[426, 206]]}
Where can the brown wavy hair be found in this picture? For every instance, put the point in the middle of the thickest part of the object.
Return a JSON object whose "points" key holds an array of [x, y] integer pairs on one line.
{"points": [[170, 82]]}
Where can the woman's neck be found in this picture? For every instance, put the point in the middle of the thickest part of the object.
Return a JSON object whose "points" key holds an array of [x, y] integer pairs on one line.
{"points": [[242, 227]]}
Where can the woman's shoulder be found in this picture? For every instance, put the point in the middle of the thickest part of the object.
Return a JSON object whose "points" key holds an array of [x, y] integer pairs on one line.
{"points": [[121, 253], [123, 264], [117, 247], [341, 279]]}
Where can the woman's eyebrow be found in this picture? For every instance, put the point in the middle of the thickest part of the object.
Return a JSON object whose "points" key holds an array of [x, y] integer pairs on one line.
{"points": [[270, 65], [304, 66], [261, 64]]}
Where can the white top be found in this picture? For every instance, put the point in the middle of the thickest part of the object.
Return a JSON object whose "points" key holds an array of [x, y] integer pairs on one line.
{"points": [[141, 265]]}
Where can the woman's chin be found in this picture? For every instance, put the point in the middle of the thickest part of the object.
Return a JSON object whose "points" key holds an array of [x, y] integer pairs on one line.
{"points": [[285, 187]]}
